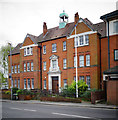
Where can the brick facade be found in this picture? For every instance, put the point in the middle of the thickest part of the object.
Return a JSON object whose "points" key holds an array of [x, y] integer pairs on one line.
{"points": [[35, 45]]}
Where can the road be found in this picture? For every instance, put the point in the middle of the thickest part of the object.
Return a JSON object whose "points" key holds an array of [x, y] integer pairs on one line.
{"points": [[20, 110]]}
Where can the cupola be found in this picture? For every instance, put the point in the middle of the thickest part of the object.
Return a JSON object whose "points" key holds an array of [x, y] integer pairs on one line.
{"points": [[63, 19]]}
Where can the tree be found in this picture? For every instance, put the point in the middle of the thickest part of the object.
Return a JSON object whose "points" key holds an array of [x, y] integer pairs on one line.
{"points": [[4, 51]]}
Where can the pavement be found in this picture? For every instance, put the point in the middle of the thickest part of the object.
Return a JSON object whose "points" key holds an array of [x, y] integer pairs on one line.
{"points": [[83, 104]]}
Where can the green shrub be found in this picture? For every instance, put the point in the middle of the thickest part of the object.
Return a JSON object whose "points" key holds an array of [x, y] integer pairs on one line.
{"points": [[8, 92], [14, 90], [20, 91], [24, 92], [70, 91], [86, 95]]}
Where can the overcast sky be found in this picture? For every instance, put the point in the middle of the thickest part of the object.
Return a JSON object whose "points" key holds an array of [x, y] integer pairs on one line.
{"points": [[19, 17]]}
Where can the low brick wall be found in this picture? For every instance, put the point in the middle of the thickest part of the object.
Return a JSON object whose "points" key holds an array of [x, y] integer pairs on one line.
{"points": [[112, 92], [60, 99], [97, 95], [6, 96]]}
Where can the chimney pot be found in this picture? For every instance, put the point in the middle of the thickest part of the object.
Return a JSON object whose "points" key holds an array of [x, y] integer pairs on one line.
{"points": [[44, 28], [76, 17]]}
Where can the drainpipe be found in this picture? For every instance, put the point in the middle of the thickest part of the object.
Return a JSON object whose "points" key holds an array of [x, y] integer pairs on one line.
{"points": [[40, 65], [100, 65], [108, 45]]}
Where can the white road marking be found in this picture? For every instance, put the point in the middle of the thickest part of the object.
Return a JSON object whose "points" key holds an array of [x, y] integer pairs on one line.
{"points": [[29, 110], [16, 108], [77, 116], [23, 109]]}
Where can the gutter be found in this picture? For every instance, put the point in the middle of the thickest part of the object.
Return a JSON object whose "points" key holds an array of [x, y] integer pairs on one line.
{"points": [[40, 65]]}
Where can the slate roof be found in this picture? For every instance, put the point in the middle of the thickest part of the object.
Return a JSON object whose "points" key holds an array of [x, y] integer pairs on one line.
{"points": [[101, 28], [113, 70], [56, 32], [16, 50]]}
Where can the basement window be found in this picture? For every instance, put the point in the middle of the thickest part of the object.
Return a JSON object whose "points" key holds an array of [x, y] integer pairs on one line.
{"points": [[116, 55]]}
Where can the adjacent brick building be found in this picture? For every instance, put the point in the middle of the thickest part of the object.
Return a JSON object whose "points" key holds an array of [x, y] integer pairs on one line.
{"points": [[48, 61], [109, 57]]}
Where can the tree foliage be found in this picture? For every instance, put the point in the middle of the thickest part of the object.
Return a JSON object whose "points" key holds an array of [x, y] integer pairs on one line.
{"points": [[4, 51], [70, 91]]}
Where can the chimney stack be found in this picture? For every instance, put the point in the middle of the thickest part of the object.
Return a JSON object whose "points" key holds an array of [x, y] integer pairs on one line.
{"points": [[76, 17], [44, 28]]}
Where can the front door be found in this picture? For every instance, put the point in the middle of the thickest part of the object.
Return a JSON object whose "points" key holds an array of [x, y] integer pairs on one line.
{"points": [[55, 85]]}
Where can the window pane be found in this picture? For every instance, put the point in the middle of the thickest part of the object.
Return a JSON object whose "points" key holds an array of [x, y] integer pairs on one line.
{"points": [[28, 50], [32, 83], [31, 50], [88, 81], [64, 45], [65, 83], [86, 39], [44, 84], [116, 55], [15, 69], [87, 60], [54, 49], [12, 83], [81, 40], [28, 83], [115, 26], [24, 51], [44, 65], [24, 83], [24, 67], [81, 61], [12, 69], [44, 49], [32, 66], [74, 61], [54, 64], [64, 63], [81, 78], [28, 66]]}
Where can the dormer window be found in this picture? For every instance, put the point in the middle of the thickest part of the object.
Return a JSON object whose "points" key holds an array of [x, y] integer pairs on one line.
{"points": [[28, 51], [82, 40]]}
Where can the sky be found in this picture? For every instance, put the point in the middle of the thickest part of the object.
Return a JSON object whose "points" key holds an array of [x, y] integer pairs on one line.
{"points": [[19, 17]]}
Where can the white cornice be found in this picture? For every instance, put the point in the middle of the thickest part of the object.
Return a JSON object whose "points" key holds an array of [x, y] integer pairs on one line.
{"points": [[80, 34], [32, 45]]}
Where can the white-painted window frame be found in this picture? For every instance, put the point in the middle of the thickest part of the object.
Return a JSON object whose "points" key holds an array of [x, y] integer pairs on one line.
{"points": [[64, 63], [81, 61], [54, 47], [44, 49], [44, 65], [88, 60], [88, 81], [64, 45]]}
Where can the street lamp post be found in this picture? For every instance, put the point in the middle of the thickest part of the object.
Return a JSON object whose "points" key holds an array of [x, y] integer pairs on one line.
{"points": [[11, 68], [76, 64]]}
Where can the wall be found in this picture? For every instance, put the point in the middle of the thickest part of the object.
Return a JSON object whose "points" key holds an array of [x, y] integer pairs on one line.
{"points": [[112, 92]]}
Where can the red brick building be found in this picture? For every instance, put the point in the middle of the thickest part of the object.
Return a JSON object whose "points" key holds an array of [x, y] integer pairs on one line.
{"points": [[48, 61], [109, 57]]}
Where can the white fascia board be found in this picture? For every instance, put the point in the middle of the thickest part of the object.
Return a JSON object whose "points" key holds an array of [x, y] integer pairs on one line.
{"points": [[85, 33], [33, 45]]}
